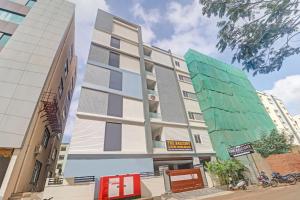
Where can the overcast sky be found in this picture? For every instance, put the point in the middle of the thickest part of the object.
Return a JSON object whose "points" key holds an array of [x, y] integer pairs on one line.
{"points": [[176, 25]]}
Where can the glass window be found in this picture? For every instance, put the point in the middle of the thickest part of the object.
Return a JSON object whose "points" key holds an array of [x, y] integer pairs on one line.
{"points": [[61, 88], [114, 59], [184, 78], [195, 116], [36, 172], [115, 42], [54, 154], [113, 137], [198, 139], [66, 67], [46, 137], [30, 3], [4, 39], [177, 63], [63, 148], [10, 16], [189, 95], [61, 157]]}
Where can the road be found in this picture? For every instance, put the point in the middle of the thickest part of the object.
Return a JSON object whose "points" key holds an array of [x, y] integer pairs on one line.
{"points": [[290, 192]]}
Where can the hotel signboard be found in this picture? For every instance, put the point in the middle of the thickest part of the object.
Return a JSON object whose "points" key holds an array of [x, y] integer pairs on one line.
{"points": [[173, 145]]}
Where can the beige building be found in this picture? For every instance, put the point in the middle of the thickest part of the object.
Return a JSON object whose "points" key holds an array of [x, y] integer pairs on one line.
{"points": [[62, 159], [138, 111], [282, 119], [37, 77]]}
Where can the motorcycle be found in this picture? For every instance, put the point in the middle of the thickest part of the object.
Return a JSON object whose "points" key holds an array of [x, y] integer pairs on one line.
{"points": [[277, 178], [297, 176], [264, 180], [241, 185]]}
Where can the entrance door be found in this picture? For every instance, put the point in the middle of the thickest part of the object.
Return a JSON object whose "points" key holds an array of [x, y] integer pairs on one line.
{"points": [[114, 187]]}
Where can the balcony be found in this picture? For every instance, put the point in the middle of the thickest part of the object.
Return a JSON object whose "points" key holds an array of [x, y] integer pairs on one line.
{"points": [[153, 96], [159, 144], [155, 115], [150, 76]]}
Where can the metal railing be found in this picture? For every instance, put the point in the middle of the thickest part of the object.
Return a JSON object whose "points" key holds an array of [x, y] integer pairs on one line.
{"points": [[152, 92], [84, 179], [159, 144], [154, 115], [55, 181]]}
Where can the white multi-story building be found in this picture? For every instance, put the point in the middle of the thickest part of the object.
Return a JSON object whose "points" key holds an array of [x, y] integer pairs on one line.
{"points": [[138, 110], [281, 117], [297, 119]]}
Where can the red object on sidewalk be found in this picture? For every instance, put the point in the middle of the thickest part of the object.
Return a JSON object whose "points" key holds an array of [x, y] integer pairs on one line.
{"points": [[120, 187]]}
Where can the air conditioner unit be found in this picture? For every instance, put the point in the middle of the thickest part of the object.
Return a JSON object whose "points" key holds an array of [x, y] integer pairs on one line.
{"points": [[153, 97], [38, 149]]}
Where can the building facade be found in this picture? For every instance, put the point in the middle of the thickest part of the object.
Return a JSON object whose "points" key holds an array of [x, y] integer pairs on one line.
{"points": [[297, 119], [137, 110], [37, 77], [281, 117], [62, 159]]}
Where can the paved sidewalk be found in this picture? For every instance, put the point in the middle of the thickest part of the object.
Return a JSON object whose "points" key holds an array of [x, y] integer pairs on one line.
{"points": [[196, 194]]}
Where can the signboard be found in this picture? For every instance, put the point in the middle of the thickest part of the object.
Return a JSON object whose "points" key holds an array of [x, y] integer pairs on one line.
{"points": [[240, 150], [173, 145]]}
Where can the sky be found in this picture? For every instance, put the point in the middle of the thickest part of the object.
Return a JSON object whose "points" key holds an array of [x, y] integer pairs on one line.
{"points": [[175, 25]]}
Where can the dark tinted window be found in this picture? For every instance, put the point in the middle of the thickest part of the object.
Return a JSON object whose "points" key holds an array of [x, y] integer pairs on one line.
{"points": [[36, 172], [46, 138], [115, 105], [113, 137], [115, 80], [114, 59], [115, 42]]}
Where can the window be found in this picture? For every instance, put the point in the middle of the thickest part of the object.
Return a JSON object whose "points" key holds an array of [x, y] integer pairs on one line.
{"points": [[198, 139], [177, 63], [69, 95], [66, 67], [61, 87], [63, 148], [195, 116], [61, 157], [30, 3], [59, 166], [113, 137], [36, 172], [10, 16], [46, 138], [114, 59], [189, 95], [54, 154], [115, 42], [4, 39], [184, 78], [70, 56]]}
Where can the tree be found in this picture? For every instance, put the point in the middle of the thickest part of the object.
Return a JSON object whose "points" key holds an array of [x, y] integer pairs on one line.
{"points": [[275, 143], [261, 32], [225, 169]]}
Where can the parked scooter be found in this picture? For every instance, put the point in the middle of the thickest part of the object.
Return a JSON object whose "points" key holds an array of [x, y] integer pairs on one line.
{"points": [[277, 178], [264, 180], [240, 185]]}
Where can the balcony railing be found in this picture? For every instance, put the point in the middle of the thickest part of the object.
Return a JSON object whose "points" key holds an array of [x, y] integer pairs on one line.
{"points": [[159, 144], [152, 92], [150, 73], [155, 115]]}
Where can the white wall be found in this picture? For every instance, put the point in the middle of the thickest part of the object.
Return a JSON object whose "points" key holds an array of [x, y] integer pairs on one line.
{"points": [[162, 58], [133, 109], [205, 146], [152, 187], [124, 31], [133, 139], [129, 63]]}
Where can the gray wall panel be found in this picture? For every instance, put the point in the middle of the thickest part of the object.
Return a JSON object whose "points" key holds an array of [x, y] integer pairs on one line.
{"points": [[113, 137], [170, 104], [97, 75], [92, 101], [104, 21], [98, 54], [115, 105], [115, 81]]}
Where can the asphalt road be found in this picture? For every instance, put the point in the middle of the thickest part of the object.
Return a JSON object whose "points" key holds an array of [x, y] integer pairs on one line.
{"points": [[283, 192]]}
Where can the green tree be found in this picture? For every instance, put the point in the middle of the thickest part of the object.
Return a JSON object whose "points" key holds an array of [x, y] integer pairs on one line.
{"points": [[262, 33], [274, 143], [225, 169]]}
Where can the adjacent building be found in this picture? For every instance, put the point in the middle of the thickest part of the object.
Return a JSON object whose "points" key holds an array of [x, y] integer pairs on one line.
{"points": [[297, 119], [232, 110], [284, 122], [62, 159], [37, 76], [137, 111]]}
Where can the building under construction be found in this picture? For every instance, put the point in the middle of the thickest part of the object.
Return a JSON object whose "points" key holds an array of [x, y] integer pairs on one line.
{"points": [[232, 110]]}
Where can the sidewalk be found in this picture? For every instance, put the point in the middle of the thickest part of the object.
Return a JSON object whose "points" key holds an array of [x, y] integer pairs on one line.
{"points": [[196, 194]]}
